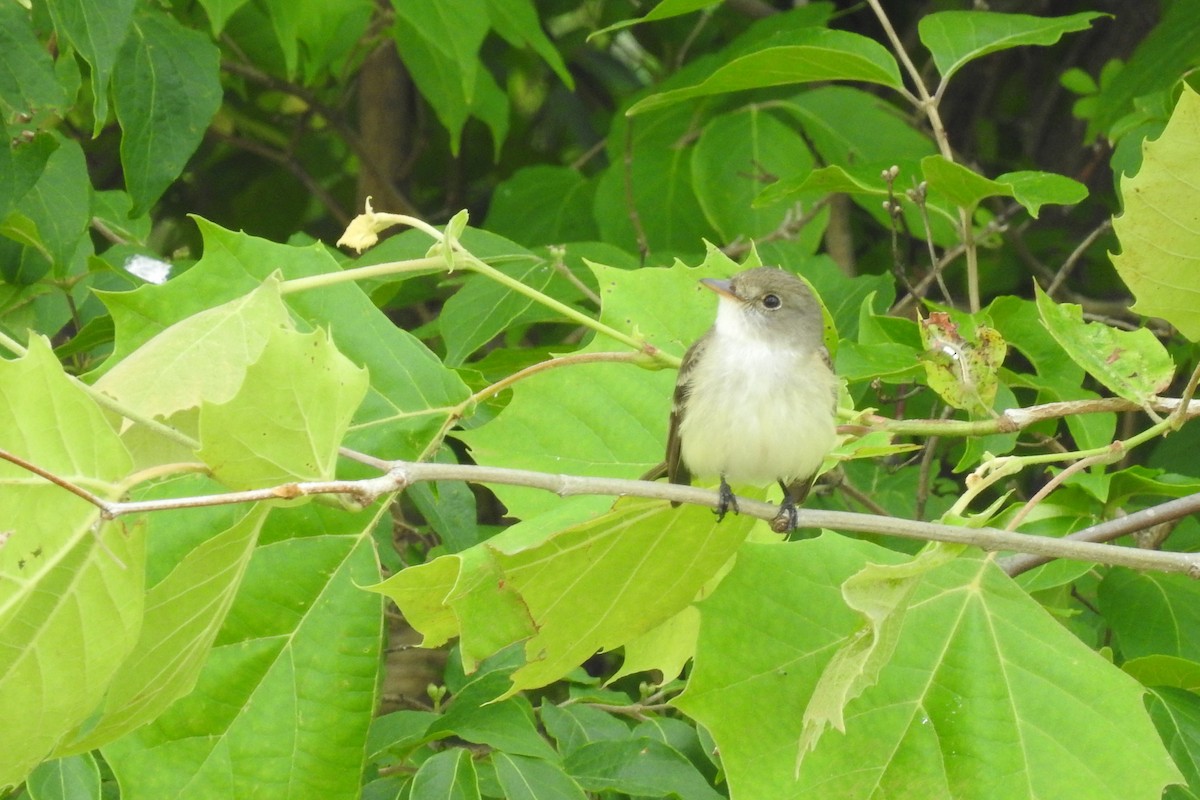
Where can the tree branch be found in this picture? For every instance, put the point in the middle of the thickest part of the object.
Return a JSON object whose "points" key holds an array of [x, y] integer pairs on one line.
{"points": [[401, 474]]}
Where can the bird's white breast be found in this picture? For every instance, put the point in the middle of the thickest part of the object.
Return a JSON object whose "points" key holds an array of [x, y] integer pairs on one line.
{"points": [[756, 412]]}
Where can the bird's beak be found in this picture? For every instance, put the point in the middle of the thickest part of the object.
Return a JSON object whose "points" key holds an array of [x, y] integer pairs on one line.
{"points": [[720, 287]]}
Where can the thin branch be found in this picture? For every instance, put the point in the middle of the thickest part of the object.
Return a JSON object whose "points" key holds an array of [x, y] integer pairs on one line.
{"points": [[1065, 270], [1113, 529], [402, 474]]}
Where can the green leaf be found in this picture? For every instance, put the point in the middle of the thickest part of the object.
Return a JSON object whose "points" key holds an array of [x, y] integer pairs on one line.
{"points": [[508, 590], [1162, 670], [183, 613], [962, 357], [1152, 613], [517, 21], [664, 10], [881, 593], [1160, 239], [321, 34], [826, 180], [219, 12], [166, 89], [96, 29], [966, 188], [202, 358], [640, 767], [576, 725], [70, 585], [735, 156], [449, 774], [289, 415], [1132, 364], [958, 37], [27, 81], [543, 204], [815, 54], [439, 43], [285, 699], [863, 135], [657, 175], [52, 216], [525, 778], [507, 725], [1168, 51], [72, 778], [483, 308], [667, 647], [981, 679], [1176, 714]]}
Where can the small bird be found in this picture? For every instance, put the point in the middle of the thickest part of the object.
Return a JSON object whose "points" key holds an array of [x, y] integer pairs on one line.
{"points": [[756, 396]]}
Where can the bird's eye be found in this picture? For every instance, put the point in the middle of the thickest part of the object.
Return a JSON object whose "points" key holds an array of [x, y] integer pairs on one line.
{"points": [[771, 302]]}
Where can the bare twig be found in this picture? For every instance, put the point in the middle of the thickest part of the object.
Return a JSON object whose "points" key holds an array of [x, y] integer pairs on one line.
{"points": [[402, 474]]}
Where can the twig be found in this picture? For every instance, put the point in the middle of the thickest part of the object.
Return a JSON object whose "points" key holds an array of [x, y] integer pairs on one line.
{"points": [[402, 474], [1113, 529], [1065, 270]]}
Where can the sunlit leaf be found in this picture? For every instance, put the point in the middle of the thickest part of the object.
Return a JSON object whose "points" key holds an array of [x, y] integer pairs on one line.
{"points": [[977, 665], [1160, 236], [70, 586]]}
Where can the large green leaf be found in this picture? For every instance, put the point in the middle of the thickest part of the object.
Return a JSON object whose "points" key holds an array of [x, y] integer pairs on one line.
{"points": [[166, 89], [27, 82], [736, 155], [411, 392], [51, 217], [813, 54], [982, 682], [543, 204], [96, 28], [654, 174], [556, 592], [1133, 364], [70, 585], [1160, 237], [200, 358], [184, 611], [289, 415], [958, 37], [1152, 613], [284, 701], [439, 43]]}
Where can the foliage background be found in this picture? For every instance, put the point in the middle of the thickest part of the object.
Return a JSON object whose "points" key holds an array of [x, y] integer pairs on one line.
{"points": [[232, 650]]}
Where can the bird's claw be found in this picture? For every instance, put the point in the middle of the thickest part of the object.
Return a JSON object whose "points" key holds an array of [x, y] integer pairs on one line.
{"points": [[725, 501]]}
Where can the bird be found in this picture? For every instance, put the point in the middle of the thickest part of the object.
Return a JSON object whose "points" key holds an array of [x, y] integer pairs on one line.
{"points": [[756, 397]]}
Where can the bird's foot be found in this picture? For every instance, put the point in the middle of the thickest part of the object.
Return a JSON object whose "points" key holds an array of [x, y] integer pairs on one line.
{"points": [[788, 518], [726, 502]]}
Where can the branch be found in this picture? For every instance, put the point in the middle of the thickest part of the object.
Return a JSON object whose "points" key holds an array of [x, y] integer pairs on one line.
{"points": [[401, 474]]}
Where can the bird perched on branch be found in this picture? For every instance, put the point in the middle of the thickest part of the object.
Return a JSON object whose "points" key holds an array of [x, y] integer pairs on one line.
{"points": [[756, 396]]}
